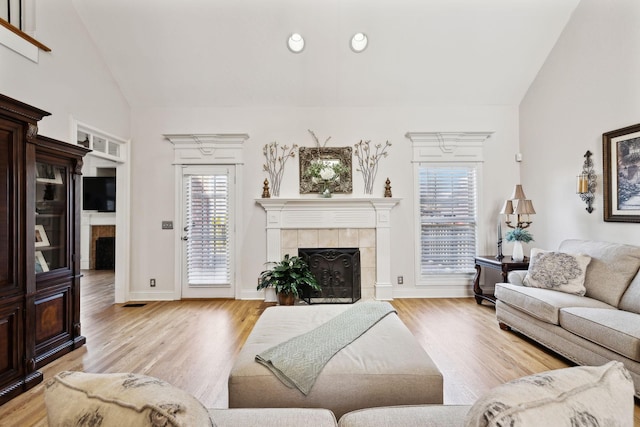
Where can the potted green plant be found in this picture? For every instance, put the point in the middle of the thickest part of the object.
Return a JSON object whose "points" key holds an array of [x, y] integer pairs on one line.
{"points": [[288, 277], [517, 236]]}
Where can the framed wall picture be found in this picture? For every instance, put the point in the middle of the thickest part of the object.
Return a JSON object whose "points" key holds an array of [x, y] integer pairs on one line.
{"points": [[41, 263], [48, 174], [329, 156], [621, 157], [41, 237]]}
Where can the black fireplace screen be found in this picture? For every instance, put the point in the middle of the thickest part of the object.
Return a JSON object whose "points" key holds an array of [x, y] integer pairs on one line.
{"points": [[337, 271]]}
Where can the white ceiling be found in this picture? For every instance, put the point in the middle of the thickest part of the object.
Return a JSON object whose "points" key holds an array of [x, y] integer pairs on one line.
{"points": [[193, 53]]}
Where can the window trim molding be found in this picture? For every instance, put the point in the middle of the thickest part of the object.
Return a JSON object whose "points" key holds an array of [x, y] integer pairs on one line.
{"points": [[453, 148], [448, 146]]}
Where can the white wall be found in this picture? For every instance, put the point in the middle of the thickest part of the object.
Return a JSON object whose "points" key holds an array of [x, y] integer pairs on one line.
{"points": [[588, 86], [71, 80], [153, 174]]}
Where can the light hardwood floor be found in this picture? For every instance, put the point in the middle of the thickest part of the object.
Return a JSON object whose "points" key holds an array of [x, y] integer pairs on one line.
{"points": [[192, 344]]}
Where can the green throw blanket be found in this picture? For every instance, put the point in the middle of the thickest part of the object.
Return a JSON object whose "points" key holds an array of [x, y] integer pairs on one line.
{"points": [[298, 361]]}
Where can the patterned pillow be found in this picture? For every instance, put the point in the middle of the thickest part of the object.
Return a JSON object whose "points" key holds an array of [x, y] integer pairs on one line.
{"points": [[558, 271], [118, 400], [578, 396]]}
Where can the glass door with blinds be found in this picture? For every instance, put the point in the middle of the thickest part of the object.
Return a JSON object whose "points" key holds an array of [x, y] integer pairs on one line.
{"points": [[448, 219], [207, 229]]}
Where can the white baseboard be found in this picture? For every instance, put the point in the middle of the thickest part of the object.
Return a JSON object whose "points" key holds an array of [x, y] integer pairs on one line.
{"points": [[434, 291], [152, 296]]}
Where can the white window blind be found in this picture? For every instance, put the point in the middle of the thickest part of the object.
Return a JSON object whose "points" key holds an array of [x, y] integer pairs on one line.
{"points": [[208, 251], [447, 219]]}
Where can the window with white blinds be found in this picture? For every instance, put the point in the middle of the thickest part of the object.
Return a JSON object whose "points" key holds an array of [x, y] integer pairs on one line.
{"points": [[207, 215], [447, 219]]}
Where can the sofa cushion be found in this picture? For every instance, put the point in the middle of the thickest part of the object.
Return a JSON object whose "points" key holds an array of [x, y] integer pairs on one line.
{"points": [[273, 417], [611, 269], [119, 400], [616, 330], [406, 416], [542, 304], [578, 396], [557, 271], [630, 301]]}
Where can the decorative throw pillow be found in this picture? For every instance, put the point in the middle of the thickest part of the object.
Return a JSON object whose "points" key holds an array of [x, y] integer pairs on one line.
{"points": [[578, 396], [119, 400], [558, 271]]}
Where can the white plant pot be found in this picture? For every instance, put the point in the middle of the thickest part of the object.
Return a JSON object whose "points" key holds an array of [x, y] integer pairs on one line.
{"points": [[270, 295], [518, 254]]}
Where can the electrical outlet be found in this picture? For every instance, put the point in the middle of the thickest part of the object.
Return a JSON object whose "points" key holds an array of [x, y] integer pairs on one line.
{"points": [[167, 225], [152, 283], [400, 280]]}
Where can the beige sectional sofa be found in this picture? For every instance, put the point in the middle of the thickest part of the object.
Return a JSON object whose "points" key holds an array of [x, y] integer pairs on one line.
{"points": [[600, 326], [600, 395]]}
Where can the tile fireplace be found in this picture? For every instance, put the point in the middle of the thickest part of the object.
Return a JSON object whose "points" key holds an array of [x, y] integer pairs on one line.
{"points": [[338, 222]]}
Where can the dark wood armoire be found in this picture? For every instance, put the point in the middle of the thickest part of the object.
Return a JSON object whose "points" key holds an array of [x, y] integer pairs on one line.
{"points": [[39, 248]]}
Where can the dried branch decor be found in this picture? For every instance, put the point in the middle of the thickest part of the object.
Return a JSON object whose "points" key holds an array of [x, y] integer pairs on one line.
{"points": [[368, 161], [315, 138], [276, 159]]}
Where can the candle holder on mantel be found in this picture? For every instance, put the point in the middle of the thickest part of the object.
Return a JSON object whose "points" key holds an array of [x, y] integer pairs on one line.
{"points": [[387, 188], [265, 189]]}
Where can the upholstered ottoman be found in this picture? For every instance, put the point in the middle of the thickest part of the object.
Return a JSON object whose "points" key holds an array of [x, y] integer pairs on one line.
{"points": [[385, 366]]}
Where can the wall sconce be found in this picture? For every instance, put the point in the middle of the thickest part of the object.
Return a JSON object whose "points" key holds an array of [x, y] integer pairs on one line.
{"points": [[586, 184], [519, 205]]}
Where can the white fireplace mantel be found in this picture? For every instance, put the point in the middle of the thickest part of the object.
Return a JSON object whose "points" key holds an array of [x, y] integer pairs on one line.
{"points": [[332, 213]]}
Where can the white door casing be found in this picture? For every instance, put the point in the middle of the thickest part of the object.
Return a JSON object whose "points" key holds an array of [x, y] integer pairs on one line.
{"points": [[207, 232], [196, 150]]}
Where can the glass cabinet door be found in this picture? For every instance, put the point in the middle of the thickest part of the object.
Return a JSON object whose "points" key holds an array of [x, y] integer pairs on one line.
{"points": [[51, 217]]}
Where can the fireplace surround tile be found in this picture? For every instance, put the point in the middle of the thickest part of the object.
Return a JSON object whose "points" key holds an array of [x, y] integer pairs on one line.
{"points": [[328, 238], [289, 238], [368, 257], [308, 238], [367, 237], [348, 238], [290, 251], [367, 280], [368, 218]]}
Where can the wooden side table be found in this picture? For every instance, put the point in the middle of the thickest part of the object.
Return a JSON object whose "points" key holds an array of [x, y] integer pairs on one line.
{"points": [[505, 265]]}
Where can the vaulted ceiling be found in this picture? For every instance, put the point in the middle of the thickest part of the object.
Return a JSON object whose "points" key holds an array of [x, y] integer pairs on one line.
{"points": [[194, 53]]}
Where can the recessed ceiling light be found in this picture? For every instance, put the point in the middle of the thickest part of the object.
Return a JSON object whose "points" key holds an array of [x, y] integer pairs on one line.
{"points": [[295, 43], [359, 42]]}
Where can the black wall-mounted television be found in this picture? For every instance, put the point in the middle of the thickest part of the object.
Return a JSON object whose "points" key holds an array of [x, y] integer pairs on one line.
{"points": [[99, 193]]}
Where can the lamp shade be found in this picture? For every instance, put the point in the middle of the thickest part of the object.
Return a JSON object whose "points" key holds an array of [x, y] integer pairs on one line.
{"points": [[518, 193], [524, 207], [528, 205], [507, 208]]}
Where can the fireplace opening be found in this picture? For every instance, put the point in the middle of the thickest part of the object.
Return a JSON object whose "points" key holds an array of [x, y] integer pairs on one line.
{"points": [[337, 271]]}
